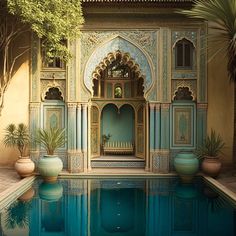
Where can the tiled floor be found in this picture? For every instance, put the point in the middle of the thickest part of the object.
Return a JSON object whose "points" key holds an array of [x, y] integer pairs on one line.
{"points": [[8, 177]]}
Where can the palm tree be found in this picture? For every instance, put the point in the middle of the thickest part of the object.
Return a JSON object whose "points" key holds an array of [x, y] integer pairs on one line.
{"points": [[222, 15]]}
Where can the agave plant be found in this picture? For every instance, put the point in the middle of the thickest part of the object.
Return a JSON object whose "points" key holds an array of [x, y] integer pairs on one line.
{"points": [[211, 146], [17, 136], [51, 139], [222, 15]]}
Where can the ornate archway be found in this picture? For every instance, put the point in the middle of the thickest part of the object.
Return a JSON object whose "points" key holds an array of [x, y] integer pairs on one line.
{"points": [[118, 107], [136, 57]]}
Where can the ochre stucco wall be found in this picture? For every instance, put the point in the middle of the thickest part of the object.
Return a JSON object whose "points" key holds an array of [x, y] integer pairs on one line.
{"points": [[220, 102], [15, 110]]}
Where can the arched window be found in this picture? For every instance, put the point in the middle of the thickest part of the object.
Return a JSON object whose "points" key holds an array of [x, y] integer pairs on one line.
{"points": [[53, 94], [183, 93], [184, 54]]}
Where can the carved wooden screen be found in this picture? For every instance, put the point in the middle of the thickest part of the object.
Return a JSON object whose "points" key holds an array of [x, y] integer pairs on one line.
{"points": [[140, 133], [95, 131]]}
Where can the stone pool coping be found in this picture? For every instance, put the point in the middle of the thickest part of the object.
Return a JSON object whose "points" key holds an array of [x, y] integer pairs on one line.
{"points": [[13, 192], [17, 189]]}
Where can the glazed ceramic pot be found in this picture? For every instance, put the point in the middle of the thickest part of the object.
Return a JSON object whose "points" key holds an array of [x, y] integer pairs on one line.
{"points": [[49, 166], [50, 191], [24, 166], [211, 166], [186, 165]]}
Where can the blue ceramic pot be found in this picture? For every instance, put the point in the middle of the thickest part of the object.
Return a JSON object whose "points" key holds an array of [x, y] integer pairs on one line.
{"points": [[50, 191], [49, 166], [186, 165]]}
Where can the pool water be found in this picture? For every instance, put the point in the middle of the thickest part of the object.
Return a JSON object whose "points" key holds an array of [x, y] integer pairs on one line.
{"points": [[119, 207]]}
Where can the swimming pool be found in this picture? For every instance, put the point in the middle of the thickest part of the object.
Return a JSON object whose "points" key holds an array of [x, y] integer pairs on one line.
{"points": [[119, 207]]}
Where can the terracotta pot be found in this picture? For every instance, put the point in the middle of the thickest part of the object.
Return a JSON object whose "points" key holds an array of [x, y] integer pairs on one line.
{"points": [[28, 195], [24, 166], [211, 166]]}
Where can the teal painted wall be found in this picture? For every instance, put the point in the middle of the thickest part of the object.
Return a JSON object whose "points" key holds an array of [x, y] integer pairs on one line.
{"points": [[119, 125]]}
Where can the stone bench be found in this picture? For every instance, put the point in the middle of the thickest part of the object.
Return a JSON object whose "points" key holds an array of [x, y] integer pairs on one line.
{"points": [[118, 147]]}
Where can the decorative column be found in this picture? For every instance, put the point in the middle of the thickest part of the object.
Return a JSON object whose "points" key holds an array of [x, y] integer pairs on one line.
{"points": [[84, 135], [79, 127], [151, 133], [162, 151], [147, 152], [71, 134], [157, 126], [74, 160], [34, 124], [201, 122]]}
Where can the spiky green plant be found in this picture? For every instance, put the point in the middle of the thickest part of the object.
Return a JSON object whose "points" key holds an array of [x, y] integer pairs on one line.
{"points": [[17, 136], [211, 147], [222, 15], [18, 214], [51, 139]]}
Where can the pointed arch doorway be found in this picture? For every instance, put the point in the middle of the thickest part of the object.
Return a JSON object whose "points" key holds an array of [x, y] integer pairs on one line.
{"points": [[118, 117]]}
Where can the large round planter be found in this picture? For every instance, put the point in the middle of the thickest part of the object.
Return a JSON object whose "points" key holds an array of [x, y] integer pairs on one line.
{"points": [[211, 166], [49, 166], [24, 166], [50, 191], [186, 165]]}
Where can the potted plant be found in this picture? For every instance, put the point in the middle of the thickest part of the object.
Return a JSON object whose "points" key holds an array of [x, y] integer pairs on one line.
{"points": [[209, 151], [50, 165], [18, 136]]}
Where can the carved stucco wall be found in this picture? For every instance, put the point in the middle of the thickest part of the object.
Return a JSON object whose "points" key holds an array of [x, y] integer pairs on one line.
{"points": [[141, 45]]}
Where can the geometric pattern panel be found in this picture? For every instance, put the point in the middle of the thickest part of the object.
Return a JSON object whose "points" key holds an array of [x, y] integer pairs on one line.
{"points": [[183, 125], [160, 162]]}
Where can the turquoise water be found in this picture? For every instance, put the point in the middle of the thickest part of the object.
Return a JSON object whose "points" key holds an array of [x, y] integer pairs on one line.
{"points": [[119, 207]]}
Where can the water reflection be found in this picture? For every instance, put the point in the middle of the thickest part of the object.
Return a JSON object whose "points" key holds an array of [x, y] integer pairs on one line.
{"points": [[146, 207]]}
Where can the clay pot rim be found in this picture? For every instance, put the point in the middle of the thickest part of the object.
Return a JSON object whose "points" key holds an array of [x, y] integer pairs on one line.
{"points": [[211, 157]]}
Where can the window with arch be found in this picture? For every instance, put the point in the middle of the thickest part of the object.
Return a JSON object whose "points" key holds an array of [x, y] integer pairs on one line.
{"points": [[184, 51], [53, 94]]}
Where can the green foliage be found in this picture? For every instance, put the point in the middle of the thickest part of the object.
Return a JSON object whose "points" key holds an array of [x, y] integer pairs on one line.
{"points": [[17, 136], [105, 138], [211, 146], [18, 214], [53, 22], [51, 139], [222, 15]]}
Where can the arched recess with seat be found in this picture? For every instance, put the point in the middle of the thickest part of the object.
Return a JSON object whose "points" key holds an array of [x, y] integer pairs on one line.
{"points": [[118, 108]]}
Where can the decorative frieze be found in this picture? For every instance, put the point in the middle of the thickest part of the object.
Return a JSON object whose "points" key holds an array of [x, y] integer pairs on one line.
{"points": [[191, 84], [147, 39], [52, 74], [46, 85], [191, 35]]}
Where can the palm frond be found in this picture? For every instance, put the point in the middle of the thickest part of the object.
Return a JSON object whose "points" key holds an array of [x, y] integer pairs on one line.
{"points": [[222, 13], [51, 139]]}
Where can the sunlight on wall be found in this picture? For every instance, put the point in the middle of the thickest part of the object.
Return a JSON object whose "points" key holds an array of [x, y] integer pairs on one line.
{"points": [[220, 103], [16, 110]]}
